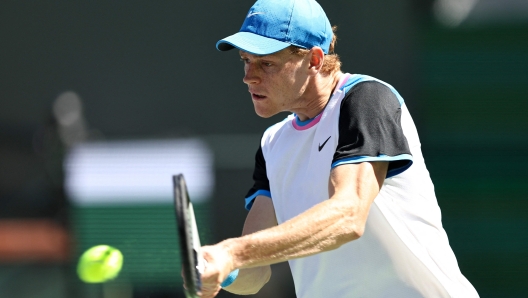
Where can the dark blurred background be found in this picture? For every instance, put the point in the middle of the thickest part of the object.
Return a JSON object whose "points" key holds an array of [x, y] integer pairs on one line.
{"points": [[100, 101]]}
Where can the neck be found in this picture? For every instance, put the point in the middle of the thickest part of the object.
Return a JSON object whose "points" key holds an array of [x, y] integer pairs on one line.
{"points": [[317, 95]]}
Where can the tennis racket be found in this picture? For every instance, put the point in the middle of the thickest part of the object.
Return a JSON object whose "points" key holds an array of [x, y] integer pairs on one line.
{"points": [[192, 260]]}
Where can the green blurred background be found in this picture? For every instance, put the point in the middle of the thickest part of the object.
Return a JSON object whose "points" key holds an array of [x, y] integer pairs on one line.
{"points": [[148, 71]]}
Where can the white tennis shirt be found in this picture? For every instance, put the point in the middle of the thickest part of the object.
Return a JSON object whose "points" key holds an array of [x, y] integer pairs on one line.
{"points": [[404, 251]]}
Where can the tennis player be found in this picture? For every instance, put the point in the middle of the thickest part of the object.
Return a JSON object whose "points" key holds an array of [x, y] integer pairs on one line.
{"points": [[341, 190]]}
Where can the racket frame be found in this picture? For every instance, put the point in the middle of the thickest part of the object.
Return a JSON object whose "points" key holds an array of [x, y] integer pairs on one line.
{"points": [[189, 239]]}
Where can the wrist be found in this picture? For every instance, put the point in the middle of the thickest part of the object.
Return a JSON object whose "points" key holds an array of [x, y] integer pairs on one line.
{"points": [[228, 246]]}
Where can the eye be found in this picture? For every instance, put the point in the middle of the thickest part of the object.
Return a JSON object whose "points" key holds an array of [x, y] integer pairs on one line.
{"points": [[267, 64], [244, 60]]}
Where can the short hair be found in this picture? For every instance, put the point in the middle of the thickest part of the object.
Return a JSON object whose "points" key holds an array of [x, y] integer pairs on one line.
{"points": [[331, 62]]}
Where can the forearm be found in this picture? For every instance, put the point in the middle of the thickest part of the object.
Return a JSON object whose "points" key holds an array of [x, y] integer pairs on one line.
{"points": [[324, 227]]}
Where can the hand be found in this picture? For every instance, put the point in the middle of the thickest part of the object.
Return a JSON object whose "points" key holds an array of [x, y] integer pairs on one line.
{"points": [[219, 264]]}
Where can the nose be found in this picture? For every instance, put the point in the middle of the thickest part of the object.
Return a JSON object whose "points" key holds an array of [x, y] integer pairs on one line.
{"points": [[250, 74]]}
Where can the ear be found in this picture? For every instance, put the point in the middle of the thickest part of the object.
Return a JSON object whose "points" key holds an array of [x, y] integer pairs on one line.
{"points": [[316, 59]]}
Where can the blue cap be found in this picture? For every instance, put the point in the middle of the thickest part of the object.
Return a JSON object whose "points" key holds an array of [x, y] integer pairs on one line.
{"points": [[273, 25]]}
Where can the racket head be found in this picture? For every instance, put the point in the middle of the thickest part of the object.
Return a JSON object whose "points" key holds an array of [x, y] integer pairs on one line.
{"points": [[192, 261]]}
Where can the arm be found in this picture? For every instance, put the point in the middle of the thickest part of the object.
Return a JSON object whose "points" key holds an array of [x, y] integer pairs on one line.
{"points": [[324, 227], [260, 217], [251, 280]]}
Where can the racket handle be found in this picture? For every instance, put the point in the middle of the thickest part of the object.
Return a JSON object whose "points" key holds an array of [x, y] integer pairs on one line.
{"points": [[230, 279]]}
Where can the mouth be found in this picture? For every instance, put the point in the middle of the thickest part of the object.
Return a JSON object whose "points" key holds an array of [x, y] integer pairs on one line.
{"points": [[256, 96]]}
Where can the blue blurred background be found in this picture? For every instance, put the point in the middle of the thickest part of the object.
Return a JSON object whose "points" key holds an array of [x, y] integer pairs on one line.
{"points": [[101, 101]]}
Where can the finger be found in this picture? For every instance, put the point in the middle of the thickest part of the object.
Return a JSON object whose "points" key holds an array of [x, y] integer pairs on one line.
{"points": [[210, 292]]}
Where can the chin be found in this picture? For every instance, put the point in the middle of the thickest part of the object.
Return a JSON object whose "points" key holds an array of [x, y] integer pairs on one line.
{"points": [[264, 115], [263, 111]]}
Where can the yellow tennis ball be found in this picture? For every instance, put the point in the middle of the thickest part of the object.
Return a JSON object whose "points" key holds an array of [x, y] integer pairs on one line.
{"points": [[100, 264]]}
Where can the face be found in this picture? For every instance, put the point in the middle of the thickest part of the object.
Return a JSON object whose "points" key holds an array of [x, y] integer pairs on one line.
{"points": [[276, 82]]}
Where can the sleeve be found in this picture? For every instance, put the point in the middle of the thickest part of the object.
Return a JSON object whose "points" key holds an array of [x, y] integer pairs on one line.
{"points": [[370, 128], [261, 185]]}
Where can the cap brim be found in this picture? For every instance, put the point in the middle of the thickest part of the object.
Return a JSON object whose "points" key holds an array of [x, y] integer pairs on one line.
{"points": [[251, 43]]}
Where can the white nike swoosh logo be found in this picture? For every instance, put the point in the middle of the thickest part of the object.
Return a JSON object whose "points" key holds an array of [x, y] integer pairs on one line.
{"points": [[254, 13]]}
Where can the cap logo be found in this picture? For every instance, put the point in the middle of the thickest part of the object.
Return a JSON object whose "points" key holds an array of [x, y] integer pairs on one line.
{"points": [[254, 13]]}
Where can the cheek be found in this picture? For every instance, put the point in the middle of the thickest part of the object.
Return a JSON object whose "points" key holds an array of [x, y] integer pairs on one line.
{"points": [[289, 89], [285, 82]]}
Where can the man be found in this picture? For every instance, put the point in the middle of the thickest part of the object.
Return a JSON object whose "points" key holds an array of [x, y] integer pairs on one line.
{"points": [[341, 190]]}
